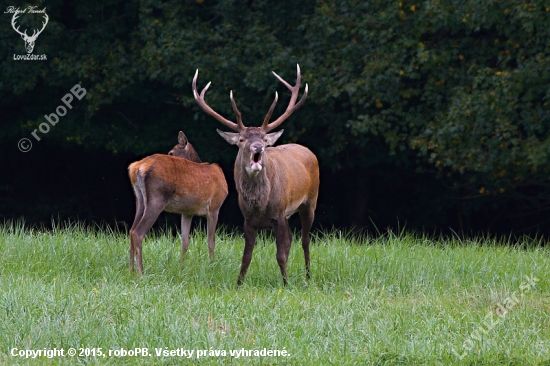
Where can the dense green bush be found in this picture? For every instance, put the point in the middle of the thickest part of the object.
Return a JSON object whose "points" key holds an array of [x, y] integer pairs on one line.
{"points": [[457, 90]]}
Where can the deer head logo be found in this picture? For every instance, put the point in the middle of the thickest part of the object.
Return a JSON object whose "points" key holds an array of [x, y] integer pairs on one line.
{"points": [[29, 40]]}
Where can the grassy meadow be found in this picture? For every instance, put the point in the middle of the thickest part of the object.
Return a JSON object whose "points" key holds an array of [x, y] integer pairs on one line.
{"points": [[395, 299]]}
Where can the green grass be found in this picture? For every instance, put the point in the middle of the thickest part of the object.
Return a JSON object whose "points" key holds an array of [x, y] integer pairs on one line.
{"points": [[397, 299]]}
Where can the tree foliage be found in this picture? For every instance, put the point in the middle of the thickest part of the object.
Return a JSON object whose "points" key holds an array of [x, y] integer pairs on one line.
{"points": [[457, 89]]}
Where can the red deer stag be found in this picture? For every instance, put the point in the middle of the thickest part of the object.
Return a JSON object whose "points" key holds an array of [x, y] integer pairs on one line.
{"points": [[180, 183], [273, 182]]}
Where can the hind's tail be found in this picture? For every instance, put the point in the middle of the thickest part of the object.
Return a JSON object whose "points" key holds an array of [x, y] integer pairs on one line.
{"points": [[133, 170]]}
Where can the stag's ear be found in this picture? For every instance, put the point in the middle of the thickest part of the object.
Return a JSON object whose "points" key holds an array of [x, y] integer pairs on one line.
{"points": [[271, 138], [231, 137], [182, 139]]}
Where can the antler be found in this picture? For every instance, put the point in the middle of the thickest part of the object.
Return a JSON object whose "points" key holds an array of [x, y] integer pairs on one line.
{"points": [[208, 110], [15, 16], [43, 26], [35, 33], [292, 106]]}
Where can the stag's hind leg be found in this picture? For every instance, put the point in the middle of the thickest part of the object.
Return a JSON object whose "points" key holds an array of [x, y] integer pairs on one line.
{"points": [[307, 214]]}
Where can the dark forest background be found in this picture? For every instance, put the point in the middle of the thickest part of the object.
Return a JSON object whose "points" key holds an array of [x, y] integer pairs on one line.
{"points": [[426, 115]]}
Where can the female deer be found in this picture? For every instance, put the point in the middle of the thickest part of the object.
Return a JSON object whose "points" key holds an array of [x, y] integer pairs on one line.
{"points": [[180, 183]]}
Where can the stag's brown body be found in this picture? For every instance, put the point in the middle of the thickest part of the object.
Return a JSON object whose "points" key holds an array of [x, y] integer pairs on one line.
{"points": [[272, 182], [175, 184], [284, 186]]}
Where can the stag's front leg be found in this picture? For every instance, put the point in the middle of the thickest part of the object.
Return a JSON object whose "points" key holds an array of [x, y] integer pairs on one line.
{"points": [[283, 240], [250, 234]]}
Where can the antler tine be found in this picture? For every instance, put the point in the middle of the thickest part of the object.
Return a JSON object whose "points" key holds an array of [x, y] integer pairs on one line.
{"points": [[203, 92], [282, 80], [208, 110], [13, 19], [270, 112], [236, 110], [296, 87], [292, 106], [44, 23]]}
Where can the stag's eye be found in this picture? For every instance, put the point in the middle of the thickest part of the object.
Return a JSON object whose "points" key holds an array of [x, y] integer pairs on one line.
{"points": [[241, 140]]}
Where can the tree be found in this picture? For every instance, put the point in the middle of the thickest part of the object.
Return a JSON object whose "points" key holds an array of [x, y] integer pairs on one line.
{"points": [[463, 86], [455, 91]]}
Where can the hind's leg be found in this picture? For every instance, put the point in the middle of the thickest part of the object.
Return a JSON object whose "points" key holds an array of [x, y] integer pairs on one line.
{"points": [[212, 221], [153, 208], [140, 207], [185, 228]]}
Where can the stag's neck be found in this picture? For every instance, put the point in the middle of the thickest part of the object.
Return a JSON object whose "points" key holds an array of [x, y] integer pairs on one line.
{"points": [[253, 191]]}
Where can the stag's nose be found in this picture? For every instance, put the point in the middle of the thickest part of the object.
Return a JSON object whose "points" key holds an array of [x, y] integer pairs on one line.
{"points": [[257, 148]]}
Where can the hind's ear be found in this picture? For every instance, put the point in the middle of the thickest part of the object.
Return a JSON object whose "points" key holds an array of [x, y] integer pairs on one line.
{"points": [[182, 139]]}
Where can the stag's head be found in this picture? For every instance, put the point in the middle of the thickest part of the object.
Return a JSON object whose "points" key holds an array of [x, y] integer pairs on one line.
{"points": [[29, 40], [184, 149], [252, 141]]}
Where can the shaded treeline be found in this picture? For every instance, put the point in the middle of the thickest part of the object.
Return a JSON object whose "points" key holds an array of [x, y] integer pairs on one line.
{"points": [[426, 115], [52, 183]]}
